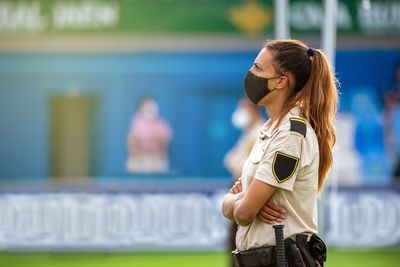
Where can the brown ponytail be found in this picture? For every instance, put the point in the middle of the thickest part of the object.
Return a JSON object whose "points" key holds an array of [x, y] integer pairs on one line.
{"points": [[314, 90]]}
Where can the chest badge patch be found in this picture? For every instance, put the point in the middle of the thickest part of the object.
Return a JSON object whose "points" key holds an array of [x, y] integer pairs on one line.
{"points": [[284, 166]]}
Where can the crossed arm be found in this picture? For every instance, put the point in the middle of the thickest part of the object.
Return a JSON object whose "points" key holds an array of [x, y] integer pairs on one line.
{"points": [[243, 207]]}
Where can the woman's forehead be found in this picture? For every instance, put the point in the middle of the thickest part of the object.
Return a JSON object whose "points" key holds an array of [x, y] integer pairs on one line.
{"points": [[264, 58]]}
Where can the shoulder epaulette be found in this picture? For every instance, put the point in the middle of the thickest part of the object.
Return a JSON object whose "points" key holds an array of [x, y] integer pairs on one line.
{"points": [[298, 125]]}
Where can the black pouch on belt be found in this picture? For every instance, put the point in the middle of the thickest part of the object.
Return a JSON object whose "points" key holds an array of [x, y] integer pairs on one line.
{"points": [[301, 241], [293, 254], [317, 249]]}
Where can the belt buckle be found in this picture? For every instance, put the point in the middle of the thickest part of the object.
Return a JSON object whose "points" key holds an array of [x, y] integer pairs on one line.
{"points": [[236, 258]]}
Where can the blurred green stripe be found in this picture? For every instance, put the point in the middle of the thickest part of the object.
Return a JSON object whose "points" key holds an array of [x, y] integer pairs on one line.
{"points": [[389, 257]]}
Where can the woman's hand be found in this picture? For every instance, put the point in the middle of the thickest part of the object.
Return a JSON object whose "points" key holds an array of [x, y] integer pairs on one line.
{"points": [[271, 213], [237, 187]]}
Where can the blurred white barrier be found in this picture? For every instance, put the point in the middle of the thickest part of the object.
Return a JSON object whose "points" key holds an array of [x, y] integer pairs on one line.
{"points": [[367, 218], [112, 221], [134, 221]]}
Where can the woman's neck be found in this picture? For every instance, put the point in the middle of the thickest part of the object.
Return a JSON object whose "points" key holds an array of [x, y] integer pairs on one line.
{"points": [[272, 113], [275, 104], [274, 108]]}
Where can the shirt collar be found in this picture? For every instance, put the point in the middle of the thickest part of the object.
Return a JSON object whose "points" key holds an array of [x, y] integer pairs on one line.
{"points": [[269, 128], [295, 111]]}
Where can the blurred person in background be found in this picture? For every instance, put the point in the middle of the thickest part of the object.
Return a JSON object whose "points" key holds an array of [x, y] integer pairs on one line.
{"points": [[392, 125], [248, 118], [291, 158], [148, 140]]}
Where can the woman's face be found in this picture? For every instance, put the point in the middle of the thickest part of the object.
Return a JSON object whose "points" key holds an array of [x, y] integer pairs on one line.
{"points": [[263, 67]]}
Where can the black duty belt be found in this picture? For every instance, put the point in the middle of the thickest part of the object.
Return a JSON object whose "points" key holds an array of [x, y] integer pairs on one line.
{"points": [[298, 254]]}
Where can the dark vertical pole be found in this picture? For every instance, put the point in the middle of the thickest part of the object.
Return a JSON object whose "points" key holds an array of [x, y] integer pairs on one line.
{"points": [[280, 246]]}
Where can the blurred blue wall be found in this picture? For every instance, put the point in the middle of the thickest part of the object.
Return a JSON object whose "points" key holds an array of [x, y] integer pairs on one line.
{"points": [[367, 69], [196, 92]]}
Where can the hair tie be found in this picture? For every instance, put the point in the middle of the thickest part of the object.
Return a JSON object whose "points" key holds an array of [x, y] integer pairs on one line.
{"points": [[310, 52]]}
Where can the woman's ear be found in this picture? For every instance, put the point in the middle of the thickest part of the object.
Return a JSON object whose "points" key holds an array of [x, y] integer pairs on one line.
{"points": [[282, 82]]}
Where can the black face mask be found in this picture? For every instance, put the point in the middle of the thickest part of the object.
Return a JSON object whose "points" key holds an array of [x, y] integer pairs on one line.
{"points": [[256, 87]]}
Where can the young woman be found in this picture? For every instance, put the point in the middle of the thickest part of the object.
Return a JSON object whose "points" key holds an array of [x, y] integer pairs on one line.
{"points": [[292, 156]]}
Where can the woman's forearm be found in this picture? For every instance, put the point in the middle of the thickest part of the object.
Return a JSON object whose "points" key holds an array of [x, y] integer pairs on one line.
{"points": [[228, 204], [247, 208], [240, 215]]}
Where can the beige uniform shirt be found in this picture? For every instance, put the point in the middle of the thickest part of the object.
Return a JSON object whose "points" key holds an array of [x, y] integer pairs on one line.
{"points": [[237, 156], [288, 160]]}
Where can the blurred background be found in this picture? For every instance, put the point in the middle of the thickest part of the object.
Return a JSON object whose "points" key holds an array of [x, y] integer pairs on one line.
{"points": [[121, 123]]}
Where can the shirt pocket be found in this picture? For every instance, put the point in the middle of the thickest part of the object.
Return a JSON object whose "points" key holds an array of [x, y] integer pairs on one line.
{"points": [[259, 153]]}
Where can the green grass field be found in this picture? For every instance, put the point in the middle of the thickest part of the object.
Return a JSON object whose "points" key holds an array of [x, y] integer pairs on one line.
{"points": [[342, 258]]}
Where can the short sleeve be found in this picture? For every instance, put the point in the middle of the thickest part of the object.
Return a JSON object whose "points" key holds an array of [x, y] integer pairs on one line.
{"points": [[280, 164]]}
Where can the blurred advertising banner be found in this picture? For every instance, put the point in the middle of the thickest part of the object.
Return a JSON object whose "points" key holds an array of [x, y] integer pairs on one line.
{"points": [[120, 218], [111, 221], [362, 217], [199, 16], [132, 221]]}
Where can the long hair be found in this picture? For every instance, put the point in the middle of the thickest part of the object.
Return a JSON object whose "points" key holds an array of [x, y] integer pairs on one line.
{"points": [[313, 89]]}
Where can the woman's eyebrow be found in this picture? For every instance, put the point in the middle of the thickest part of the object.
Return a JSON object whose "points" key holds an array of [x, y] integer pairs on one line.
{"points": [[257, 65]]}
